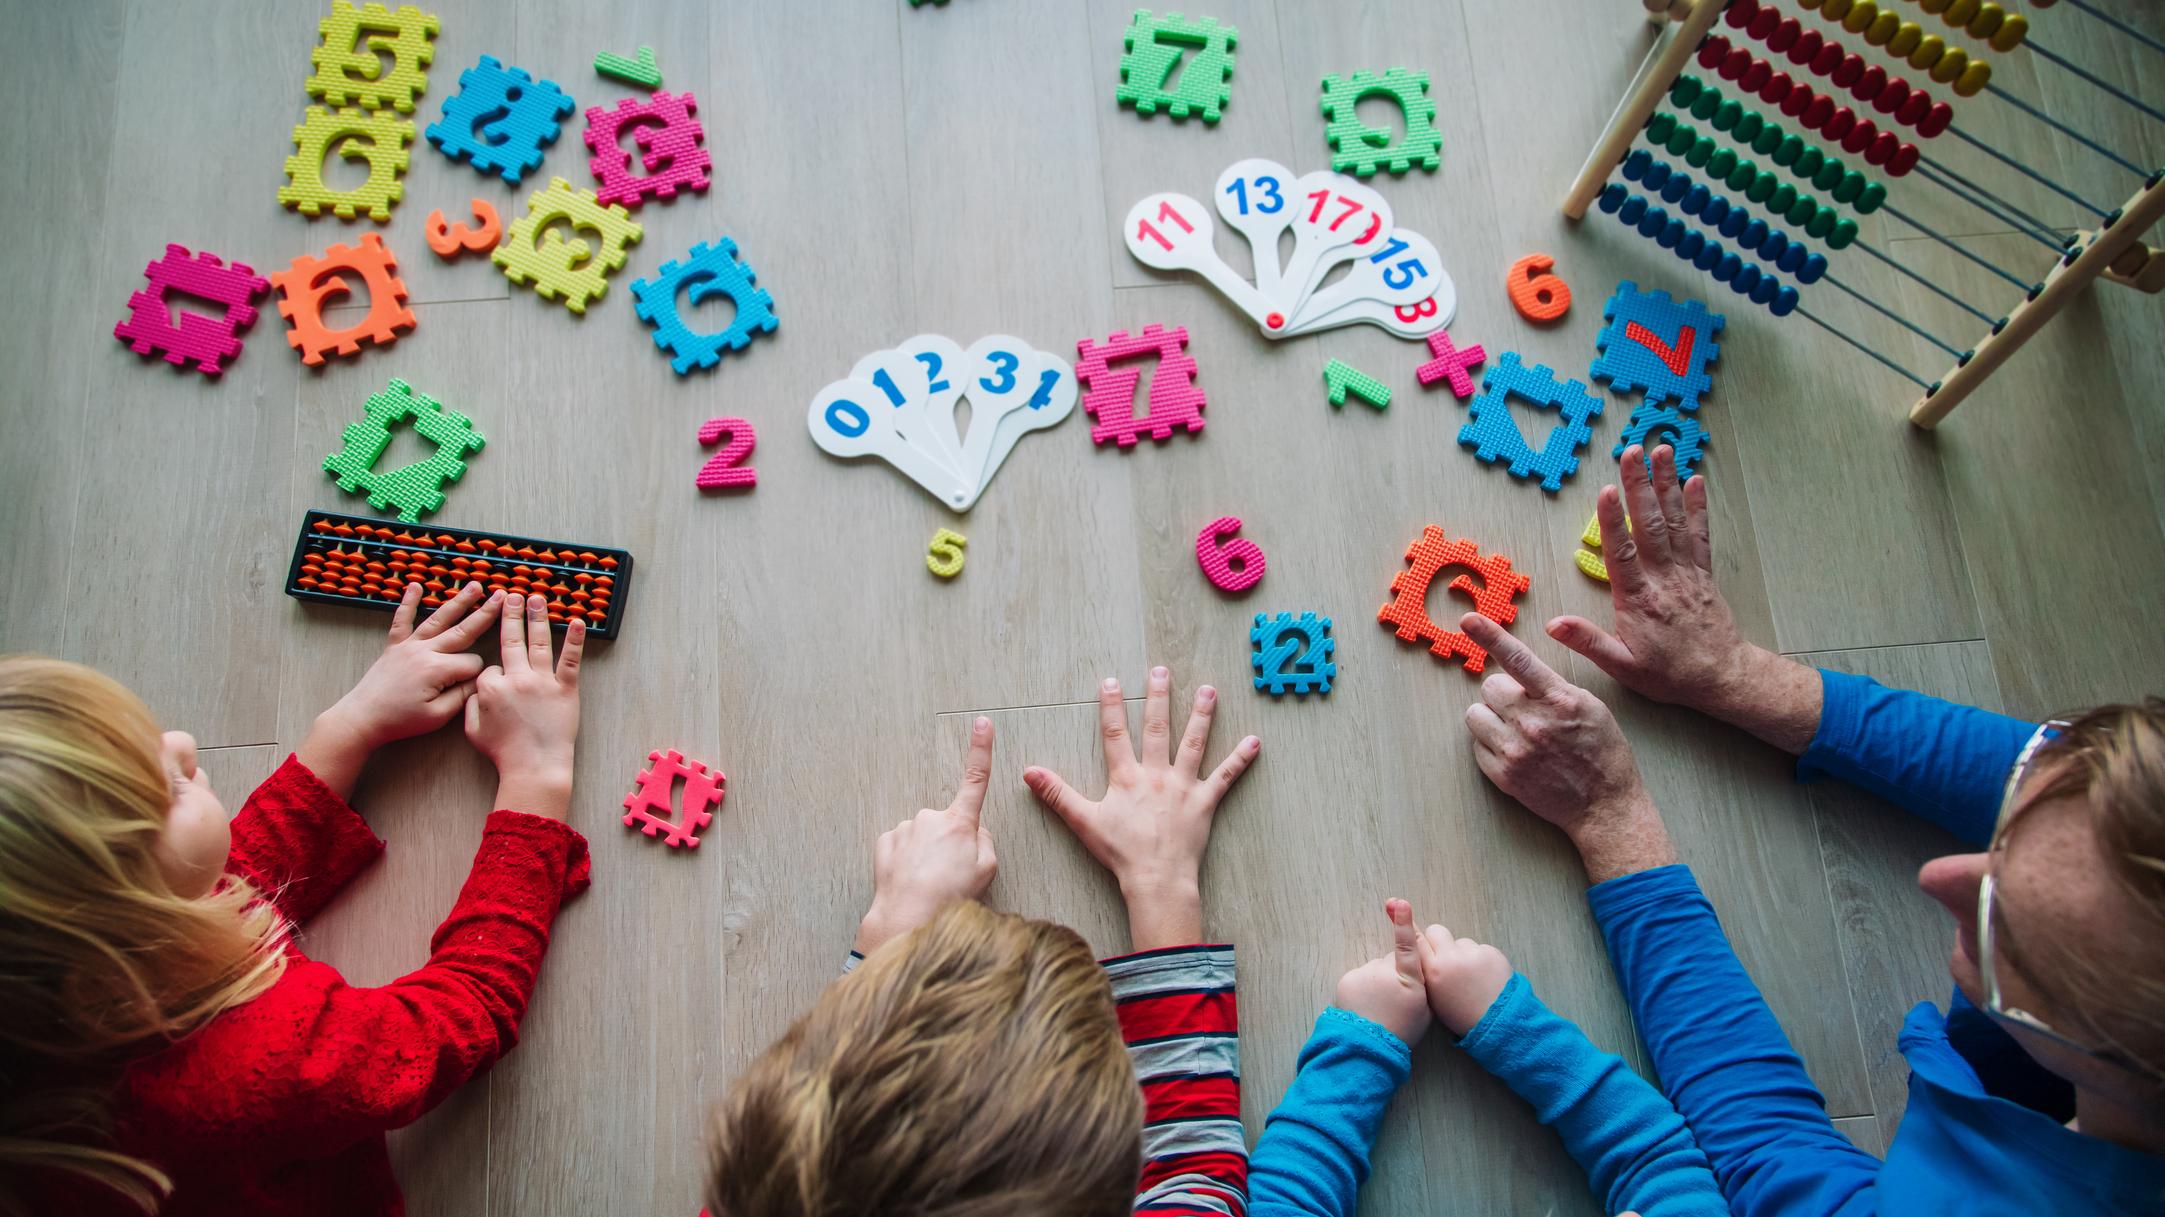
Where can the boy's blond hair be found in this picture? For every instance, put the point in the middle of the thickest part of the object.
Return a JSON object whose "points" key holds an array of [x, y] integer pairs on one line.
{"points": [[104, 962], [973, 1068]]}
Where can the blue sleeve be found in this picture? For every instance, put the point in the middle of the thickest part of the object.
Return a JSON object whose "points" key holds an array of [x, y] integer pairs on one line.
{"points": [[1634, 1148], [1945, 762], [1313, 1155], [1722, 1058]]}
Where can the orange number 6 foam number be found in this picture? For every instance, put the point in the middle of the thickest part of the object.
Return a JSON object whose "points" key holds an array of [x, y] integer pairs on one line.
{"points": [[1535, 293]]}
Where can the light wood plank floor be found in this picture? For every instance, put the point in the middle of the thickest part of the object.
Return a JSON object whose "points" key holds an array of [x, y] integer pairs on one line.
{"points": [[959, 170]]}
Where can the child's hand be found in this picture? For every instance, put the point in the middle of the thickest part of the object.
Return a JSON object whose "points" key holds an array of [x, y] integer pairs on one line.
{"points": [[1152, 826], [418, 684], [943, 855], [1464, 977], [1388, 990], [524, 714]]}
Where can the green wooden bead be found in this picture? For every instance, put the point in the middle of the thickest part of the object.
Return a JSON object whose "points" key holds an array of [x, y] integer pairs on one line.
{"points": [[1801, 211], [1844, 233], [1659, 126], [1831, 175], [1686, 88], [1762, 187], [1809, 163], [1849, 188], [1748, 127], [1722, 164], [1743, 175], [1869, 201], [1821, 223], [1783, 198], [1701, 150], [1728, 116], [1769, 143], [1681, 140]]}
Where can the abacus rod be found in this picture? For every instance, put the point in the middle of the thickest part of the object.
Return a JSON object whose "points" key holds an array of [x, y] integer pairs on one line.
{"points": [[2051, 58], [2034, 221], [2066, 130], [2119, 25], [1993, 267], [2027, 227], [1893, 316], [1898, 369], [2018, 167], [1935, 288]]}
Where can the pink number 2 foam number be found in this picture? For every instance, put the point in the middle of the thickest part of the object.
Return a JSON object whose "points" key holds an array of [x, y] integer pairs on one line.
{"points": [[721, 473], [1231, 566]]}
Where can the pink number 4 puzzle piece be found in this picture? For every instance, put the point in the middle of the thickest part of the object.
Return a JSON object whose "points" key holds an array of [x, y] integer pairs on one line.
{"points": [[669, 139], [648, 808], [1450, 364], [1173, 402], [206, 340]]}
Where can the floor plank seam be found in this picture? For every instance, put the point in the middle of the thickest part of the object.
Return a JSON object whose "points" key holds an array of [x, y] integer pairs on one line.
{"points": [[1877, 646], [1048, 705]]}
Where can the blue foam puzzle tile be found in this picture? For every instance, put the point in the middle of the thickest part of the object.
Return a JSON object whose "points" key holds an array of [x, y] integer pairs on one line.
{"points": [[1657, 346], [710, 270], [1655, 422], [1494, 436], [501, 120], [1285, 643]]}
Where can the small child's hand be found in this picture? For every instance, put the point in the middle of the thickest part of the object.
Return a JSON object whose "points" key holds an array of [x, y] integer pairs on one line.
{"points": [[943, 855], [1388, 990], [524, 714], [1152, 826], [425, 673], [1464, 977]]}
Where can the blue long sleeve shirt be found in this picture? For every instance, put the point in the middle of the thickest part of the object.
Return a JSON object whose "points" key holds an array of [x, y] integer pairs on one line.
{"points": [[1724, 1061], [1637, 1154]]}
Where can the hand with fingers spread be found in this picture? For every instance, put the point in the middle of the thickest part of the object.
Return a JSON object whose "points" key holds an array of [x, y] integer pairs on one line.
{"points": [[1556, 748], [940, 856], [1152, 825], [1461, 978], [1676, 640], [420, 682], [1388, 990], [524, 714]]}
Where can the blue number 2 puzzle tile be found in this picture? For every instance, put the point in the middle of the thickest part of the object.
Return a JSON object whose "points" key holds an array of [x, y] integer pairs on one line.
{"points": [[1284, 644], [1656, 345]]}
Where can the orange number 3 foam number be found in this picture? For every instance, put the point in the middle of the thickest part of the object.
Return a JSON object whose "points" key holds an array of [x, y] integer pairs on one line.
{"points": [[450, 240], [1535, 293]]}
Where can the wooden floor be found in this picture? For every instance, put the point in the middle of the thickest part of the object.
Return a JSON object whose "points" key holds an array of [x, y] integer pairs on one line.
{"points": [[959, 170]]}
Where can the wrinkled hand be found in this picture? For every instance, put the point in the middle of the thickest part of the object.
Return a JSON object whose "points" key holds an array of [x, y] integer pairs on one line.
{"points": [[1389, 989], [1676, 640], [524, 714], [1462, 978], [1152, 826], [425, 673], [942, 855]]}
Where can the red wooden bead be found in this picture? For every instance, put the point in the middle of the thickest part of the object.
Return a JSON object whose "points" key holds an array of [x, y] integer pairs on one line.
{"points": [[1883, 149], [1740, 13], [1870, 84], [1755, 75], [1905, 159], [1712, 51], [1858, 139], [1808, 47], [1839, 123], [1914, 108], [1785, 35], [1793, 105], [1850, 71], [1763, 22], [1738, 62], [1936, 121], [1896, 92], [1818, 113]]}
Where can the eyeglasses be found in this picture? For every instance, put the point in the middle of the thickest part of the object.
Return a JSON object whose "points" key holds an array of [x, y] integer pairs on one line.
{"points": [[1995, 1004]]}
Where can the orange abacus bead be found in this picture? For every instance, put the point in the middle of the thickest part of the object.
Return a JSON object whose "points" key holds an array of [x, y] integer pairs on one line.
{"points": [[464, 547], [607, 563]]}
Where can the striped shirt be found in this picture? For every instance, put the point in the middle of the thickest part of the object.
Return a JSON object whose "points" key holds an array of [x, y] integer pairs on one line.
{"points": [[1181, 1022]]}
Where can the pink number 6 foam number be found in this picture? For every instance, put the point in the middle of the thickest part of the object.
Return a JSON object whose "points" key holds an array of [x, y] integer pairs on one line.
{"points": [[720, 473], [1232, 566]]}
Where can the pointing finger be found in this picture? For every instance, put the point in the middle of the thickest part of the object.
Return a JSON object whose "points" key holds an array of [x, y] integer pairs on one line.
{"points": [[449, 612], [1403, 937], [467, 632], [976, 772], [1516, 658]]}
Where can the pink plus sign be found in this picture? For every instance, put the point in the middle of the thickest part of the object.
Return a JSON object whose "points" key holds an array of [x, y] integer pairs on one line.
{"points": [[1450, 363]]}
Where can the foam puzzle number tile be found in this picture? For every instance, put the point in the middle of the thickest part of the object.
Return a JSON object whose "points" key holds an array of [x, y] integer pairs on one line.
{"points": [[311, 283], [669, 139], [1492, 595], [1217, 556], [196, 337], [1495, 436], [650, 807], [1285, 644], [1361, 149], [944, 556], [448, 241], [352, 73], [1450, 364], [1174, 401], [727, 468], [1654, 423], [1154, 47], [379, 138], [1588, 555], [639, 69], [1538, 295], [535, 252], [416, 489], [1656, 345], [711, 270], [1340, 376], [501, 120]]}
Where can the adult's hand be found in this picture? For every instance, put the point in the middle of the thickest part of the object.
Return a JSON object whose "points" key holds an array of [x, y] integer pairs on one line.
{"points": [[1675, 638], [1556, 749]]}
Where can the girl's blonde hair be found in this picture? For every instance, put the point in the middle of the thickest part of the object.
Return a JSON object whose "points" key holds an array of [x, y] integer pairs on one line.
{"points": [[972, 1068], [100, 960]]}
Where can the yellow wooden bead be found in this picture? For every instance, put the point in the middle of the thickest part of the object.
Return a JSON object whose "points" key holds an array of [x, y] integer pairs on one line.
{"points": [[1961, 11], [1905, 40], [1882, 28], [2010, 35], [1834, 10], [1928, 52], [1861, 15], [1950, 65], [1974, 78], [1983, 22], [1934, 6]]}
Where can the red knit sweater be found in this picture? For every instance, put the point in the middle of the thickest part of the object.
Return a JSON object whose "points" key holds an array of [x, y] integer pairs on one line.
{"points": [[280, 1105]]}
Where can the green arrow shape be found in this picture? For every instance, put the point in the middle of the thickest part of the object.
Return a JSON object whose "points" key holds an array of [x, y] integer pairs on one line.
{"points": [[639, 70]]}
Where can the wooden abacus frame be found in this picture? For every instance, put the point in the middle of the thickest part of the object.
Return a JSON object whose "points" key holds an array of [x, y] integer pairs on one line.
{"points": [[2114, 250]]}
